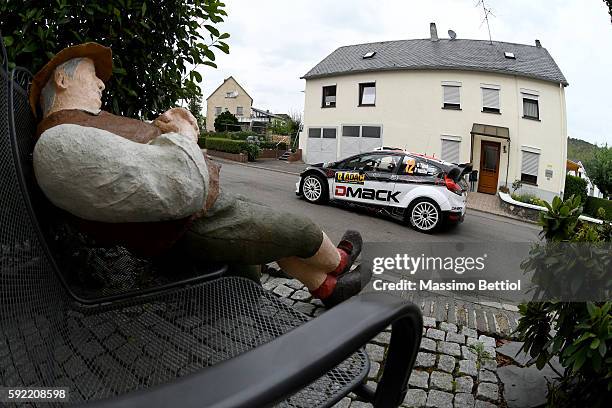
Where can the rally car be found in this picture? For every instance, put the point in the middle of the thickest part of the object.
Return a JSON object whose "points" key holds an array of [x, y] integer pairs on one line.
{"points": [[424, 191]]}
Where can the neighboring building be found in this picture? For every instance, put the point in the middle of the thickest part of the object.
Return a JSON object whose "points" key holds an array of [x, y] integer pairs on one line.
{"points": [[577, 169], [229, 96], [499, 106]]}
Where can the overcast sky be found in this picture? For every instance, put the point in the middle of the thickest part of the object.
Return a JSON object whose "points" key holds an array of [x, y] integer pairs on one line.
{"points": [[274, 42]]}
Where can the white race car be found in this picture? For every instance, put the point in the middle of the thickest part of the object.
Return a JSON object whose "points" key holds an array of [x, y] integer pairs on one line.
{"points": [[424, 191]]}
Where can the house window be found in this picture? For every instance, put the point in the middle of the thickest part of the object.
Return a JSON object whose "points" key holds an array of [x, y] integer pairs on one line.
{"points": [[452, 99], [367, 94], [329, 133], [531, 109], [450, 150], [370, 131], [232, 94], [217, 110], [329, 97], [314, 132], [239, 111], [529, 167], [350, 131], [490, 99]]}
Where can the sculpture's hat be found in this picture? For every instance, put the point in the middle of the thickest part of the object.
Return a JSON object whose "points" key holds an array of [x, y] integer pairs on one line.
{"points": [[102, 57]]}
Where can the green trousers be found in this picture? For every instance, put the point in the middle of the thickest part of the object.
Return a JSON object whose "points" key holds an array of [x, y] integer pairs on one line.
{"points": [[240, 231]]}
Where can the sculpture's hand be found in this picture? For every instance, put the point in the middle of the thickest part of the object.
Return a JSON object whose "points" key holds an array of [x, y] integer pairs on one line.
{"points": [[178, 120]]}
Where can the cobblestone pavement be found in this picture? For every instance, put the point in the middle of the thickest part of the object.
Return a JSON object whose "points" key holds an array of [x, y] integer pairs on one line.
{"points": [[456, 365]]}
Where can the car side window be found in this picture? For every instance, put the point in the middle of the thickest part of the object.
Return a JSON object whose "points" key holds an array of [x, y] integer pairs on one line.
{"points": [[350, 163], [416, 166], [378, 163]]}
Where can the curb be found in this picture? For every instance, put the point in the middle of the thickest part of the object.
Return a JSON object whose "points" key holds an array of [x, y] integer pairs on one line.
{"points": [[509, 217]]}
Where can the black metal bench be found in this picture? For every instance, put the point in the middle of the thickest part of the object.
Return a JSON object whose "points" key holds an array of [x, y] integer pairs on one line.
{"points": [[224, 342]]}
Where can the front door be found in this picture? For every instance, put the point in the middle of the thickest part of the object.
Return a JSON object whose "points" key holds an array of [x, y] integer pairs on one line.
{"points": [[489, 167]]}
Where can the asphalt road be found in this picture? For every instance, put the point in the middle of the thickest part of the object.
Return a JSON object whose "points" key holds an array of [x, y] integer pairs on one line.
{"points": [[277, 190]]}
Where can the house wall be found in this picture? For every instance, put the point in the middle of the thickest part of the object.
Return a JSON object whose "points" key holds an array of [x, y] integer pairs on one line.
{"points": [[409, 107], [218, 98]]}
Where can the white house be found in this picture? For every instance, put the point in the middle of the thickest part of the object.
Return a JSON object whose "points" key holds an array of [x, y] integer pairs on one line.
{"points": [[577, 169], [497, 105]]}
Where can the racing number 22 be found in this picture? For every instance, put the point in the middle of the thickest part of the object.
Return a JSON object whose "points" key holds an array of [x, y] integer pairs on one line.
{"points": [[410, 163]]}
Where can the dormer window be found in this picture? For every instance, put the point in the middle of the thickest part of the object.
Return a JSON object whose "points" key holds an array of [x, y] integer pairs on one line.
{"points": [[369, 55]]}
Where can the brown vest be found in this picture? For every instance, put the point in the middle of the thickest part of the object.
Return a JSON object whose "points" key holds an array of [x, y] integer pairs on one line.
{"points": [[142, 238]]}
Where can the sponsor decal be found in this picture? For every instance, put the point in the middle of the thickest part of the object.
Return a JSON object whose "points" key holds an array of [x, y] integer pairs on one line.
{"points": [[349, 177], [366, 193]]}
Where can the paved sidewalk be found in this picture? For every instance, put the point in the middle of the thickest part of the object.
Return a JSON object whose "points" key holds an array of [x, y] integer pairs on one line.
{"points": [[490, 203], [456, 366]]}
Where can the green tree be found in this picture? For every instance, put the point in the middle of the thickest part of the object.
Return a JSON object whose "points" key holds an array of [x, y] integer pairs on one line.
{"points": [[226, 122], [195, 107], [156, 44], [609, 4], [279, 127], [599, 170]]}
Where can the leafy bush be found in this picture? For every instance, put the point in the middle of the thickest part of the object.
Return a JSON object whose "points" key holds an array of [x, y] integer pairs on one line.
{"points": [[529, 199], [252, 150], [593, 204], [153, 44], [579, 333], [575, 186]]}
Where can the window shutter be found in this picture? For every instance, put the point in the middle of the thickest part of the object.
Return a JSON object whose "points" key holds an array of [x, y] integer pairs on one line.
{"points": [[451, 94], [450, 150], [530, 163], [490, 98]]}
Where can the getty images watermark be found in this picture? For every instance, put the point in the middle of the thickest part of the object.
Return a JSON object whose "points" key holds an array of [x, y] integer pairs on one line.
{"points": [[508, 272], [405, 263]]}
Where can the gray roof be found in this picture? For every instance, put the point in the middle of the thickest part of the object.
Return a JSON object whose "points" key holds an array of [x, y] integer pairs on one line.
{"points": [[473, 55]]}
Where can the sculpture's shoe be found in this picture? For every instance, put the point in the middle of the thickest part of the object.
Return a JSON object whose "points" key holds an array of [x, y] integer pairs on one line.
{"points": [[351, 244], [348, 285]]}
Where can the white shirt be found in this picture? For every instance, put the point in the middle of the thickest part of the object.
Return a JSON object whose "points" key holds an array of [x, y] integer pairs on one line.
{"points": [[100, 176]]}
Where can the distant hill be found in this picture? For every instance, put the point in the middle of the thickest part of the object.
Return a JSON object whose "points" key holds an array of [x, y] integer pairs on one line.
{"points": [[579, 150]]}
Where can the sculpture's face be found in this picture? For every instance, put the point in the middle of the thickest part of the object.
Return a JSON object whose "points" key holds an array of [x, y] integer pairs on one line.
{"points": [[85, 85]]}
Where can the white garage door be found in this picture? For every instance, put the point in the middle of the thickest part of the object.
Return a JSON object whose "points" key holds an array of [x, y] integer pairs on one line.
{"points": [[358, 139], [322, 146]]}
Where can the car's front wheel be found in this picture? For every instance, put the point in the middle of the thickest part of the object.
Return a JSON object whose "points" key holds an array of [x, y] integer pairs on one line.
{"points": [[425, 215], [314, 189]]}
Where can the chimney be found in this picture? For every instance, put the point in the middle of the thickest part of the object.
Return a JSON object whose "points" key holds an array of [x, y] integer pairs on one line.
{"points": [[538, 44], [433, 32]]}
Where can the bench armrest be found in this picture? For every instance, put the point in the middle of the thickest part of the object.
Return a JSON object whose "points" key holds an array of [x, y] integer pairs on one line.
{"points": [[272, 372]]}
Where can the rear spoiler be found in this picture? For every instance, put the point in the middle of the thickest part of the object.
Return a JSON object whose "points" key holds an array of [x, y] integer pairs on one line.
{"points": [[457, 172]]}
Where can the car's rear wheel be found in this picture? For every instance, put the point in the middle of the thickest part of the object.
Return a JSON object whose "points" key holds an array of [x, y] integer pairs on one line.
{"points": [[314, 189], [424, 215]]}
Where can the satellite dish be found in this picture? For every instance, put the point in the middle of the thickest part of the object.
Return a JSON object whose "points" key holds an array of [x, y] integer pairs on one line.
{"points": [[452, 34]]}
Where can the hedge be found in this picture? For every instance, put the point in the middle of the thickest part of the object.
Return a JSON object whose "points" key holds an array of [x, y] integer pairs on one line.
{"points": [[230, 135], [575, 186], [593, 204], [225, 145]]}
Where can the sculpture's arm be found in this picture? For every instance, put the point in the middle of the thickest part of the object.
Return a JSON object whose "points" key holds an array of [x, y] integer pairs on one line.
{"points": [[97, 175]]}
